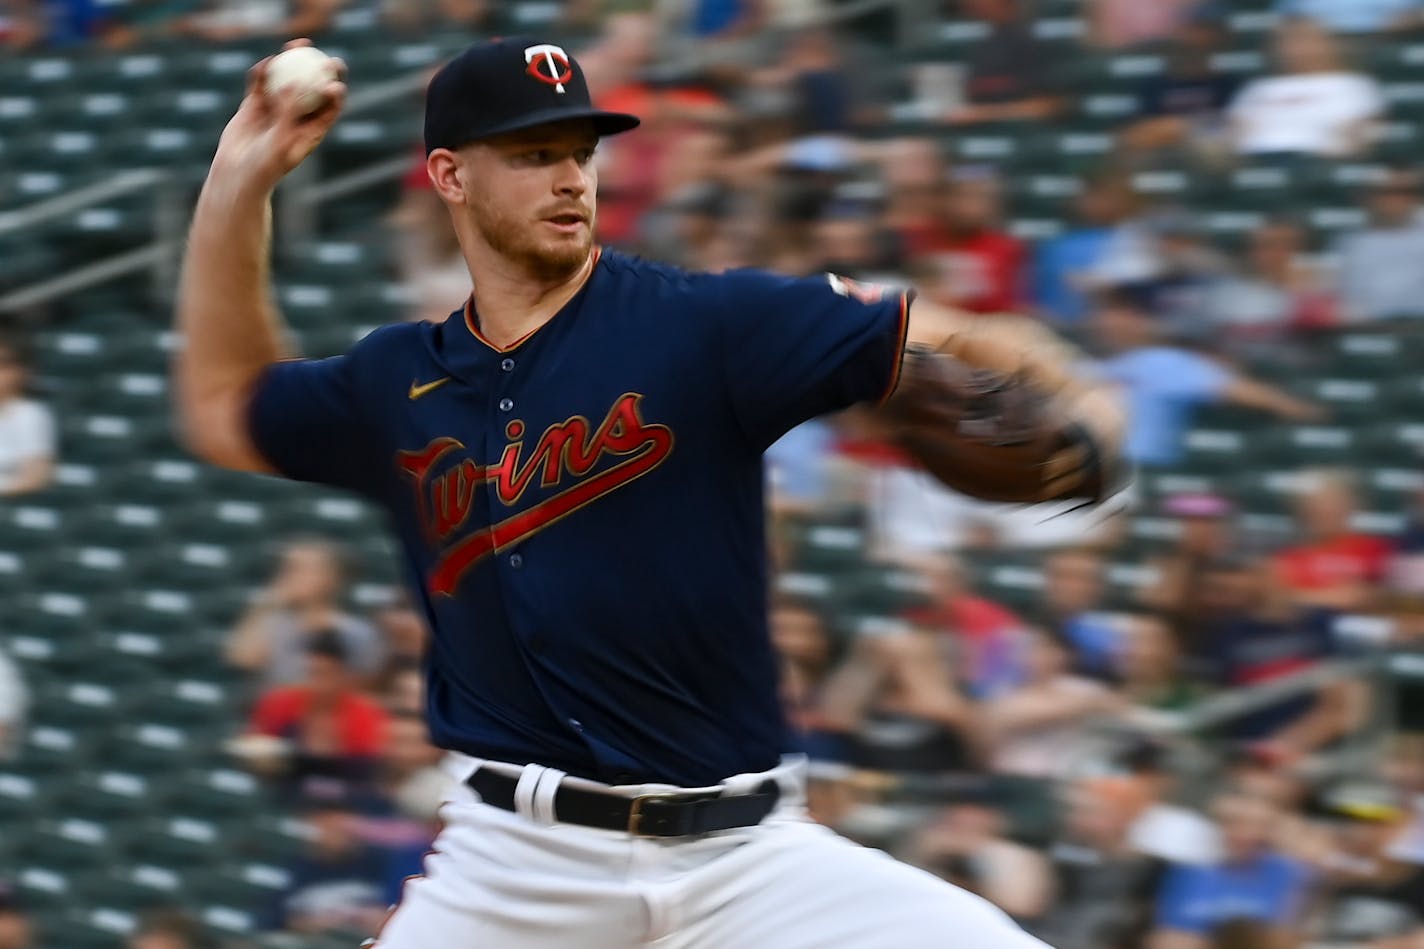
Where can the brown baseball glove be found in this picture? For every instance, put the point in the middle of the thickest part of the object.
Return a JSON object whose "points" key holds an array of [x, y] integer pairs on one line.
{"points": [[998, 415]]}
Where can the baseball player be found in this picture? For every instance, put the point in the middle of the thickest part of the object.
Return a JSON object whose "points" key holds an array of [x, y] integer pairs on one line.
{"points": [[573, 464]]}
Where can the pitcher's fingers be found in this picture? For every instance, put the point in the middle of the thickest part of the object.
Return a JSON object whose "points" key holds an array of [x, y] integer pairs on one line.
{"points": [[325, 116], [257, 76], [294, 43], [340, 65]]}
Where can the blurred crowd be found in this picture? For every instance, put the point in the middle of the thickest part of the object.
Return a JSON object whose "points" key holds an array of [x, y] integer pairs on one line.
{"points": [[1040, 752]]}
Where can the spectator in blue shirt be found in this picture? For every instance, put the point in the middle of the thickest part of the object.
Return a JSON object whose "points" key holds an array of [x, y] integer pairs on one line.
{"points": [[1163, 384], [1249, 881], [1064, 270], [1357, 16]]}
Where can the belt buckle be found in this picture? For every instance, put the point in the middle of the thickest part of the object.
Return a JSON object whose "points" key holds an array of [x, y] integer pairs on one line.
{"points": [[635, 812]]}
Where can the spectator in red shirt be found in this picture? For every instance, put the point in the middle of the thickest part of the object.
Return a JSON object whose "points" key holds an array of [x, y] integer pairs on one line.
{"points": [[1336, 566], [333, 728], [977, 265]]}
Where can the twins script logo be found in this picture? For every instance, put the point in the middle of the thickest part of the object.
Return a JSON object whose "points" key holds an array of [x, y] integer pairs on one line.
{"points": [[549, 63], [444, 497]]}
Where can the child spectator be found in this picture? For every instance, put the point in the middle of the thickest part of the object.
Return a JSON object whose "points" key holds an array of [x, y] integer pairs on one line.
{"points": [[332, 728], [1334, 566]]}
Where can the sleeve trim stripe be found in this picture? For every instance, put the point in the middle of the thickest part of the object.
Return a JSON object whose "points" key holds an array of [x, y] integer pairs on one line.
{"points": [[906, 299]]}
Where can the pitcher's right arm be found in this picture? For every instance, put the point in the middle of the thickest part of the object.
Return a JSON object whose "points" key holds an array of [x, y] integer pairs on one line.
{"points": [[230, 328]]}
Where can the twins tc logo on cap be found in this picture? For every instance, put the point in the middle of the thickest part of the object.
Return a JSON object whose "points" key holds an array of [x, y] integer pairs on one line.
{"points": [[549, 63]]}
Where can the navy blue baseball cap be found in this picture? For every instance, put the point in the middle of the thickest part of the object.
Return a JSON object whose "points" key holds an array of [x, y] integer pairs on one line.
{"points": [[508, 84]]}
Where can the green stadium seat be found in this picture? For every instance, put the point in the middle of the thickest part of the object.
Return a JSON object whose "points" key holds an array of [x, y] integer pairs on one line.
{"points": [[228, 521], [1371, 355], [1215, 450], [188, 702], [219, 794], [19, 114], [137, 889], [87, 570], [830, 548], [106, 438], [245, 888], [1393, 487], [177, 840], [273, 839], [136, 527], [164, 482], [338, 517], [1395, 443], [43, 886], [1301, 445], [93, 927], [1349, 401], [50, 748], [61, 843], [112, 796], [96, 111], [883, 591], [161, 748], [20, 799], [1406, 397], [82, 703], [142, 72], [1266, 491]]}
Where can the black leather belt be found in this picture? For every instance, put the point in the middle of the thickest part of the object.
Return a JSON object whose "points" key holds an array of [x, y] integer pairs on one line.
{"points": [[670, 814]]}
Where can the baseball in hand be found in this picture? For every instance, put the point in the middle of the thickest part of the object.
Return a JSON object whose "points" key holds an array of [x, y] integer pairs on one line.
{"points": [[307, 70]]}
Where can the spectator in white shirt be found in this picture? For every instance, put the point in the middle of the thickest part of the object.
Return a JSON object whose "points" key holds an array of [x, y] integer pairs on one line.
{"points": [[14, 701], [26, 427], [1313, 105], [1379, 273]]}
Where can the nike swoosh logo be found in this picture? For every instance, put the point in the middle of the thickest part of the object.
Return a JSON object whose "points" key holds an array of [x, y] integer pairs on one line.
{"points": [[419, 389]]}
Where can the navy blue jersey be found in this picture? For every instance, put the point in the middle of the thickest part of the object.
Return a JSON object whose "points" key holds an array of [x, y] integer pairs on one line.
{"points": [[582, 511]]}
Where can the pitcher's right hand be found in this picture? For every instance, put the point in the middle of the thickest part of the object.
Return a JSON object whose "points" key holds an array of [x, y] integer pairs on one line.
{"points": [[269, 135]]}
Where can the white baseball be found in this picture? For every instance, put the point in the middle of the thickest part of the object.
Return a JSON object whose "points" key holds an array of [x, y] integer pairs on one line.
{"points": [[306, 69]]}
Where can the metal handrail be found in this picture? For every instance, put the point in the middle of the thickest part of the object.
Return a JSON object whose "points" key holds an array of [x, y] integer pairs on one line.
{"points": [[122, 183]]}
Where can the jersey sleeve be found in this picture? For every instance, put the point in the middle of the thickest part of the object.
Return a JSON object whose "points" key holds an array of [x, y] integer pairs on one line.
{"points": [[795, 348], [305, 418]]}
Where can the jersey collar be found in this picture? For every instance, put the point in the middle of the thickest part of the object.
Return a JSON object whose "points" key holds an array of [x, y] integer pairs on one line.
{"points": [[466, 349]]}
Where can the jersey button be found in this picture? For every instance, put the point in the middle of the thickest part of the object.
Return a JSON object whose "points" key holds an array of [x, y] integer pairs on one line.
{"points": [[506, 364], [516, 560], [506, 404], [576, 725]]}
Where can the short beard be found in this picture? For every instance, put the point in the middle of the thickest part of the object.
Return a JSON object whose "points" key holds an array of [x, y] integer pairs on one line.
{"points": [[546, 263]]}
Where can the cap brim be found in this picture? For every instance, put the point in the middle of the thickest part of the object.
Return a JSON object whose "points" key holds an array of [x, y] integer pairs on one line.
{"points": [[604, 123]]}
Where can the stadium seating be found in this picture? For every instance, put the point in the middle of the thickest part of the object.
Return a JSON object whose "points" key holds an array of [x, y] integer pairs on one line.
{"points": [[119, 582]]}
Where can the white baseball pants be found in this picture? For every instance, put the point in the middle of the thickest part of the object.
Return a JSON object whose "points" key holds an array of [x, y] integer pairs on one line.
{"points": [[502, 880]]}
